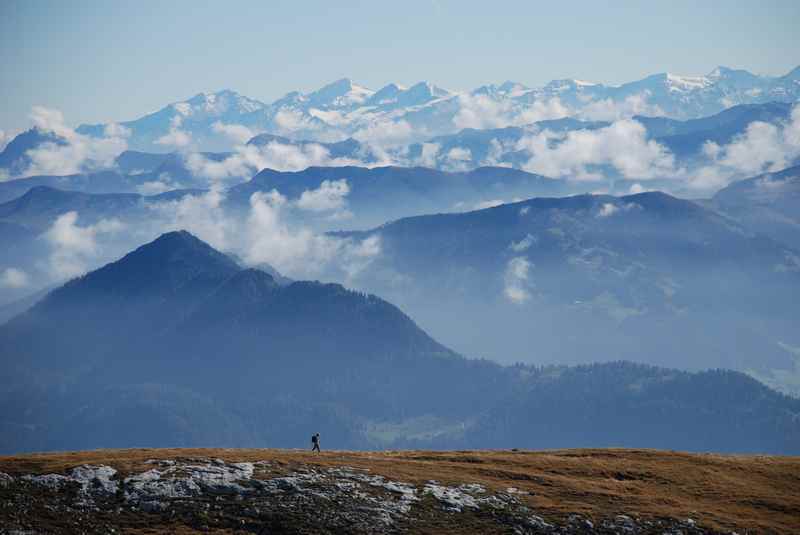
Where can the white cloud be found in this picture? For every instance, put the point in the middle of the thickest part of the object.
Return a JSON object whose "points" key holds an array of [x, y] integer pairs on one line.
{"points": [[637, 188], [235, 132], [760, 147], [542, 110], [117, 130], [297, 251], [75, 153], [763, 147], [176, 137], [610, 110], [482, 111], [497, 150], [271, 240], [622, 145], [355, 256], [50, 120], [608, 209], [73, 247], [264, 234], [183, 108], [330, 196], [154, 187], [5, 139], [516, 280], [487, 204], [291, 121], [14, 278], [457, 159], [525, 243], [385, 133], [202, 215], [248, 160], [428, 155]]}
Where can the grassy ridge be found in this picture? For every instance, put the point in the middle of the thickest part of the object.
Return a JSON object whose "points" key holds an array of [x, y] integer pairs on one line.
{"points": [[722, 492]]}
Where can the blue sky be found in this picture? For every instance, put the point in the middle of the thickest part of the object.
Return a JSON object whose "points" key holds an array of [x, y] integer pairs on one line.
{"points": [[103, 60]]}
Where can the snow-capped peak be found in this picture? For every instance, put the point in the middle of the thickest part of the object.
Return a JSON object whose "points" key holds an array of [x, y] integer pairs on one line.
{"points": [[341, 93], [427, 89], [387, 94], [215, 103], [560, 86]]}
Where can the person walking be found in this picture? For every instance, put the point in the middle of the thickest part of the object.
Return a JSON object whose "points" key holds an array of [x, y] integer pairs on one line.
{"points": [[315, 442]]}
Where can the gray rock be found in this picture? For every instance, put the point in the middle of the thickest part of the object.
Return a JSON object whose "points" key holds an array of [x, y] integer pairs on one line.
{"points": [[6, 480], [48, 481]]}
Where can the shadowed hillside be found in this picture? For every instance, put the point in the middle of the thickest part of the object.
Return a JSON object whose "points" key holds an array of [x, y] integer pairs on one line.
{"points": [[588, 278], [175, 344]]}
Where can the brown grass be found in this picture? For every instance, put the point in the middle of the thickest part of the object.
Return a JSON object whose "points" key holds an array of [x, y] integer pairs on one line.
{"points": [[723, 492]]}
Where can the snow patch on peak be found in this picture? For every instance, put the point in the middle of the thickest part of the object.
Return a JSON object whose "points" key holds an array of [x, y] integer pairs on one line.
{"points": [[184, 108], [686, 83]]}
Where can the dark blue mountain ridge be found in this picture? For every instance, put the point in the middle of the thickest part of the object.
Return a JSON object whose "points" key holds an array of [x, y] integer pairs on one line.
{"points": [[381, 193], [348, 148], [134, 162], [767, 203], [616, 268], [39, 207], [685, 139], [174, 344]]}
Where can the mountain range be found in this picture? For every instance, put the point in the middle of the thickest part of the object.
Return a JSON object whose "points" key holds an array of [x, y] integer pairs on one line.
{"points": [[344, 108], [684, 139], [550, 147], [378, 194], [587, 278], [176, 345], [617, 266]]}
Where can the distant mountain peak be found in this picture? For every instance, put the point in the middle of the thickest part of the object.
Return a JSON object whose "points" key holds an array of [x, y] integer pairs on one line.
{"points": [[719, 71], [393, 87], [428, 88], [567, 84], [341, 93], [217, 103], [387, 94], [179, 248], [512, 87], [175, 237], [794, 74], [421, 93]]}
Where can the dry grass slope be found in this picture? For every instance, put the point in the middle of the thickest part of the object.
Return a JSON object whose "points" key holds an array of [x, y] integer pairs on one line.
{"points": [[722, 492]]}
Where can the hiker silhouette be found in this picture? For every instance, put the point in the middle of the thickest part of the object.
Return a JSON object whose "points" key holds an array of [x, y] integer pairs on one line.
{"points": [[315, 442]]}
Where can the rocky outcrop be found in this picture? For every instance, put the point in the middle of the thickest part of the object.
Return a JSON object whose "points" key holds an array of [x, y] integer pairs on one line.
{"points": [[265, 496]]}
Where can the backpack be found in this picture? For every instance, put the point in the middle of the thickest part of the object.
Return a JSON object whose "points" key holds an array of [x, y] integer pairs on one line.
{"points": [[314, 439]]}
